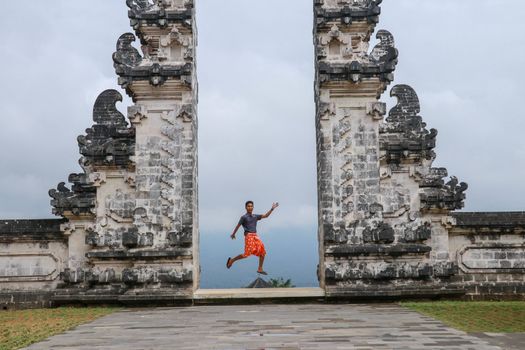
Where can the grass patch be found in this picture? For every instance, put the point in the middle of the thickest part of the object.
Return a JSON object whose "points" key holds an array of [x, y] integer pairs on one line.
{"points": [[496, 317], [22, 328]]}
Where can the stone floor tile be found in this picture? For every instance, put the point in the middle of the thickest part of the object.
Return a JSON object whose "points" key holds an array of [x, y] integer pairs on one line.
{"points": [[255, 327]]}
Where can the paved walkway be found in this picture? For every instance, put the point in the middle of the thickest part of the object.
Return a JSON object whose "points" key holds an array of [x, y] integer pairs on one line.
{"points": [[316, 326]]}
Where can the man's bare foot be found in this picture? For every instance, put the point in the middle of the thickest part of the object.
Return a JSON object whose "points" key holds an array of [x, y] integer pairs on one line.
{"points": [[229, 263], [261, 272]]}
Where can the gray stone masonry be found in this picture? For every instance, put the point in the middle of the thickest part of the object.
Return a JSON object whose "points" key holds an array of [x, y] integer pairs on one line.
{"points": [[382, 207], [490, 251], [132, 215], [32, 256]]}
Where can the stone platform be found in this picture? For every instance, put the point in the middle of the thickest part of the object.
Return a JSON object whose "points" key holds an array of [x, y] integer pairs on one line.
{"points": [[207, 296], [300, 326]]}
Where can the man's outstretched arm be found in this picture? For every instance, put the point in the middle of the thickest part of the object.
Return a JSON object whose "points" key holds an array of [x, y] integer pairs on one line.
{"points": [[235, 231], [274, 205]]}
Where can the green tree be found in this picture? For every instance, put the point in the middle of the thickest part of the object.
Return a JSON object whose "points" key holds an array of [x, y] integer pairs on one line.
{"points": [[281, 283]]}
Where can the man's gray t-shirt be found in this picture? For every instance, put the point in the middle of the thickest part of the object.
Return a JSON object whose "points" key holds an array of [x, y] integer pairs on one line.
{"points": [[249, 222]]}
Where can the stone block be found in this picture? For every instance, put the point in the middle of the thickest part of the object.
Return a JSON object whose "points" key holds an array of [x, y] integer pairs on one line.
{"points": [[446, 269], [130, 238], [376, 271], [182, 238], [419, 234], [130, 276], [505, 264], [384, 233], [92, 238], [395, 250], [73, 276]]}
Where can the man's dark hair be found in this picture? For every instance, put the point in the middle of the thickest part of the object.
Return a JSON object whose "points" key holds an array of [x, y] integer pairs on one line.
{"points": [[248, 202]]}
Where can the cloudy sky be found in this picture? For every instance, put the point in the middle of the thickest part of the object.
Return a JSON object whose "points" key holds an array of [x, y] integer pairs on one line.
{"points": [[256, 113]]}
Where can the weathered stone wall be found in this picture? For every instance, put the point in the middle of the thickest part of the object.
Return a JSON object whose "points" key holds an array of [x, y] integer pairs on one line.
{"points": [[33, 254], [489, 249]]}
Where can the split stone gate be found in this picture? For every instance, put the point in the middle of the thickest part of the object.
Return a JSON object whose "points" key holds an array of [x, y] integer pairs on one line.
{"points": [[386, 224]]}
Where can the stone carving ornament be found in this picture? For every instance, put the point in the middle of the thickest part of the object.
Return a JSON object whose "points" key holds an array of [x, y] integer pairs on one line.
{"points": [[174, 46], [109, 141], [126, 55], [151, 6], [405, 138], [404, 135], [385, 52], [344, 56], [354, 4], [144, 5], [80, 200]]}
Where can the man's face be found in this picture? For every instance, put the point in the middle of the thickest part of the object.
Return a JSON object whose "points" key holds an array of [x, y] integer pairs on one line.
{"points": [[249, 208]]}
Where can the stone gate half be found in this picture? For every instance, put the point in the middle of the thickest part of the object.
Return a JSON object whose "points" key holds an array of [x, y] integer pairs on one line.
{"points": [[383, 208], [132, 214]]}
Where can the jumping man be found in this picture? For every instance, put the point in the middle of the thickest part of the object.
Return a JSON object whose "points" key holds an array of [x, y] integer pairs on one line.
{"points": [[252, 243]]}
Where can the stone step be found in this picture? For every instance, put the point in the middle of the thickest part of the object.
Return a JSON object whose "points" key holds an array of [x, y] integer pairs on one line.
{"points": [[258, 293]]}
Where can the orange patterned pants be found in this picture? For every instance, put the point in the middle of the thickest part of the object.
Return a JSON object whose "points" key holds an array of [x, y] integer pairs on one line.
{"points": [[253, 245]]}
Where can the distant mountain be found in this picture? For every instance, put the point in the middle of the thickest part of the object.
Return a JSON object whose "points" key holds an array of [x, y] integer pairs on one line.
{"points": [[259, 283]]}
